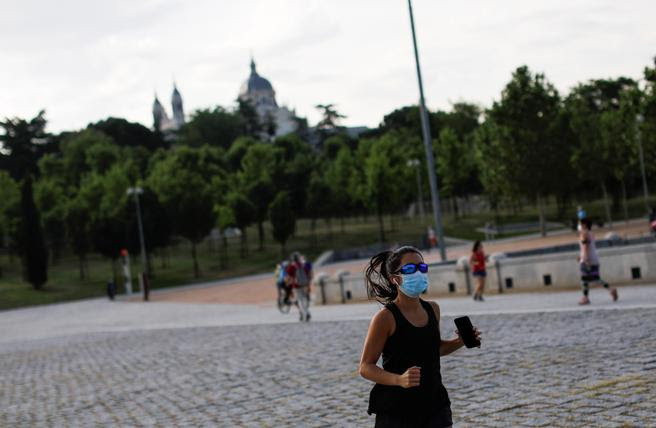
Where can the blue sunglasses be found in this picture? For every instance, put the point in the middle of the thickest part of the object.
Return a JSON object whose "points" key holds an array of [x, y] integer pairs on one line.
{"points": [[411, 268]]}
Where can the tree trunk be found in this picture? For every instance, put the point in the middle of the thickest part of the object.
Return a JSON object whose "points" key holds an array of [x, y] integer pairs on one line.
{"points": [[543, 229], [224, 252], [193, 256], [244, 243], [454, 208], [150, 271], [260, 231], [625, 202], [81, 263], [607, 205]]}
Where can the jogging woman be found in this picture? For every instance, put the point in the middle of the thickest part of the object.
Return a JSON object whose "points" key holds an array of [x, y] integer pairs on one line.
{"points": [[477, 262], [409, 390], [589, 261]]}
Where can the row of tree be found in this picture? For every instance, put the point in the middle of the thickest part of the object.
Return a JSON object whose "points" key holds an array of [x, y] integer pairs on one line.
{"points": [[531, 145]]}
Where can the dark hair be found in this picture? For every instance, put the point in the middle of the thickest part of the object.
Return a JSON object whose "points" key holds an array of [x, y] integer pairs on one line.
{"points": [[587, 223], [295, 257], [476, 246], [378, 273]]}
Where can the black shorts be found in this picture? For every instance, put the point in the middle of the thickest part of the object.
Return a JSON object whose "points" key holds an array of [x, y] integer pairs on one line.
{"points": [[480, 273], [589, 272], [440, 419]]}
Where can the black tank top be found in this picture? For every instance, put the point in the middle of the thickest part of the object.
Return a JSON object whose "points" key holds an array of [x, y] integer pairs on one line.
{"points": [[411, 346]]}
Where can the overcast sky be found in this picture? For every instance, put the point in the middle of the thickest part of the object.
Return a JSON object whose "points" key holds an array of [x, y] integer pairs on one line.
{"points": [[85, 60]]}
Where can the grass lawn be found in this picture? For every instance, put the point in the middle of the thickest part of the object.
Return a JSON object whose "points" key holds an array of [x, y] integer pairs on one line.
{"points": [[177, 269]]}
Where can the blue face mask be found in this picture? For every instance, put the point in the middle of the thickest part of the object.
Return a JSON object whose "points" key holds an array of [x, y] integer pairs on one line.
{"points": [[414, 284]]}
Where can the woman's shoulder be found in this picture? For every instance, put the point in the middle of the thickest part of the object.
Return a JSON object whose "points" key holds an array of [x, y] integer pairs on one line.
{"points": [[435, 307], [384, 319]]}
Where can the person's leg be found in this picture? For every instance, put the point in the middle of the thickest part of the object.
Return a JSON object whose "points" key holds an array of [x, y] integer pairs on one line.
{"points": [[584, 287], [478, 291], [301, 298]]}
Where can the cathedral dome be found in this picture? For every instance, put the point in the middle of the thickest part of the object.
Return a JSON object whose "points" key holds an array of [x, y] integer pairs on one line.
{"points": [[255, 83]]}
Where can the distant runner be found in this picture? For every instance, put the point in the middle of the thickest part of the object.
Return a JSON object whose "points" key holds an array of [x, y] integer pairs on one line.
{"points": [[477, 263], [589, 262]]}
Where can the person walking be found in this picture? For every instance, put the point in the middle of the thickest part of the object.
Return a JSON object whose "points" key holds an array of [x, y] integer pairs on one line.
{"points": [[299, 277], [477, 262], [589, 262], [409, 391]]}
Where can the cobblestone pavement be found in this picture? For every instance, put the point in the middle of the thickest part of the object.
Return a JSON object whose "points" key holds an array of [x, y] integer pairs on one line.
{"points": [[578, 368]]}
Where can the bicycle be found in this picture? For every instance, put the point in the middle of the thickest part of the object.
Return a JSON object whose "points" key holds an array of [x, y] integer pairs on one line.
{"points": [[284, 300]]}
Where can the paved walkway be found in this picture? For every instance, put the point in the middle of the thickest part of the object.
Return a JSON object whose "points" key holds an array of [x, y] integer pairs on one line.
{"points": [[544, 362], [260, 288]]}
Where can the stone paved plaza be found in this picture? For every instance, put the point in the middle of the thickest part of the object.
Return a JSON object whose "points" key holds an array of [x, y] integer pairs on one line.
{"points": [[563, 368]]}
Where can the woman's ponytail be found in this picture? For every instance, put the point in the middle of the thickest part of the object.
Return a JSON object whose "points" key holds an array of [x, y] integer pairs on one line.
{"points": [[377, 280]]}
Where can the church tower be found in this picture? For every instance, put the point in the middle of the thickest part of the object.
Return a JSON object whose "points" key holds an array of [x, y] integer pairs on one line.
{"points": [[178, 111], [160, 118]]}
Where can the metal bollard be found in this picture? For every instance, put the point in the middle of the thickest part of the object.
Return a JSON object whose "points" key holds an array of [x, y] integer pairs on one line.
{"points": [[146, 286], [322, 287], [497, 267], [467, 280]]}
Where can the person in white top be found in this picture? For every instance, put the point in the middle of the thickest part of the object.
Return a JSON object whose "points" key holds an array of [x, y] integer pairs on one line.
{"points": [[589, 262]]}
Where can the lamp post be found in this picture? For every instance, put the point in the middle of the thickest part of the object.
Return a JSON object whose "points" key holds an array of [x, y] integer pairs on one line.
{"points": [[414, 163], [428, 145], [645, 190], [136, 191]]}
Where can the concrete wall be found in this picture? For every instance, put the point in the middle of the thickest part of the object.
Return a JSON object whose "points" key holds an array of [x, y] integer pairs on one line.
{"points": [[521, 273]]}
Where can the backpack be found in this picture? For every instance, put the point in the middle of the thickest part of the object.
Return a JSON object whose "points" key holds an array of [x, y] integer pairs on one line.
{"points": [[302, 279]]}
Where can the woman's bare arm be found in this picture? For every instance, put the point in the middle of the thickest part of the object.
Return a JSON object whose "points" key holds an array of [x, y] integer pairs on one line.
{"points": [[450, 345], [382, 326]]}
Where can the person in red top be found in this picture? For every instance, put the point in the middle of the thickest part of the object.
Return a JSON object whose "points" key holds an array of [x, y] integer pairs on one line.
{"points": [[299, 277], [477, 263]]}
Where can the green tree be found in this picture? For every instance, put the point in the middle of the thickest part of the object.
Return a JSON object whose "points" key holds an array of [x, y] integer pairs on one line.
{"points": [[338, 200], [251, 125], [237, 151], [455, 164], [282, 219], [183, 184], [77, 217], [10, 214], [258, 166], [32, 245], [225, 219], [319, 202], [586, 104], [129, 134], [217, 128], [384, 174], [526, 115], [489, 161], [244, 215], [260, 194], [50, 198], [23, 143]]}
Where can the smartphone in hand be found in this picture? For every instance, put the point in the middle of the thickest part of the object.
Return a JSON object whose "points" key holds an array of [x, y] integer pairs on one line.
{"points": [[466, 331]]}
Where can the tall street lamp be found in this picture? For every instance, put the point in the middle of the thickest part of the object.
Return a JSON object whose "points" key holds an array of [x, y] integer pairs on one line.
{"points": [[414, 163], [136, 191], [425, 126], [645, 190]]}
